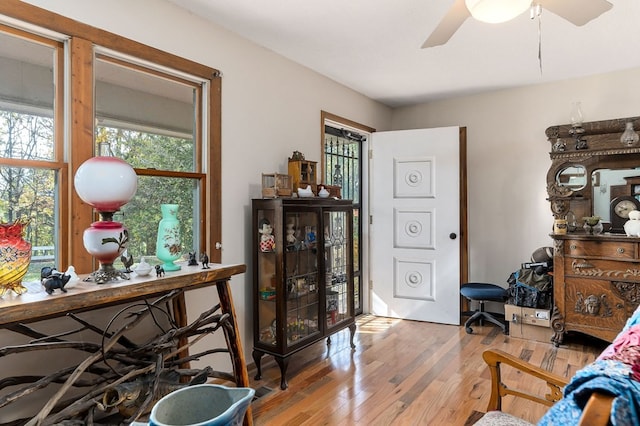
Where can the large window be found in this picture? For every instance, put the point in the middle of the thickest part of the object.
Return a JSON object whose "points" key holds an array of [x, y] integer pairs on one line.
{"points": [[66, 87], [31, 158], [149, 118]]}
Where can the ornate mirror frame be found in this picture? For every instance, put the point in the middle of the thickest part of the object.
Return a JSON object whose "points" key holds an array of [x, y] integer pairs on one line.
{"points": [[594, 145]]}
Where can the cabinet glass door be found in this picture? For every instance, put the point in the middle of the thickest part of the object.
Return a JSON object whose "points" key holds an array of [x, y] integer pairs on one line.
{"points": [[301, 275], [267, 275], [336, 261]]}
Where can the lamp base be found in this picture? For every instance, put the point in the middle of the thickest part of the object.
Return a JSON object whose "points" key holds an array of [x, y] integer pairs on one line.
{"points": [[107, 273]]}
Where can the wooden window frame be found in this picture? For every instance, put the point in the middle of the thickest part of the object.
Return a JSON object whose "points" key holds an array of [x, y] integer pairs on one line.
{"points": [[75, 216]]}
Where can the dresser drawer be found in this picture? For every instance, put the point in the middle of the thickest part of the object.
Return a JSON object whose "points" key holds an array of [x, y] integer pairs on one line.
{"points": [[598, 304], [605, 249], [614, 270]]}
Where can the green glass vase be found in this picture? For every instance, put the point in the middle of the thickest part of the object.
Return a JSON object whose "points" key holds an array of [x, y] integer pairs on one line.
{"points": [[169, 244]]}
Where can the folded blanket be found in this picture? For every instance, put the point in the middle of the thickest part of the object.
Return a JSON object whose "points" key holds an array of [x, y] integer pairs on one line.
{"points": [[605, 376], [616, 372]]}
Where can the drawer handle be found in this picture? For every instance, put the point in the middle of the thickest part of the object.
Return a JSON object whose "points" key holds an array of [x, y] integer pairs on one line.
{"points": [[573, 247], [620, 250]]}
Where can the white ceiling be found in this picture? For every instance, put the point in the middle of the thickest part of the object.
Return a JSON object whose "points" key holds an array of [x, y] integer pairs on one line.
{"points": [[373, 46]]}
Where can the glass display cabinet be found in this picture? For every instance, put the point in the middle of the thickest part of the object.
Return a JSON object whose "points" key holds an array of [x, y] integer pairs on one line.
{"points": [[303, 275]]}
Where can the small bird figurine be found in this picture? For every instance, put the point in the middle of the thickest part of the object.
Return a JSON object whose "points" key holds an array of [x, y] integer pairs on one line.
{"points": [[127, 261], [71, 271]]}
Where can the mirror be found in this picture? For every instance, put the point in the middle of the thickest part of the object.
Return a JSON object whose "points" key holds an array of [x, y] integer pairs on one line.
{"points": [[584, 179], [608, 184], [573, 177]]}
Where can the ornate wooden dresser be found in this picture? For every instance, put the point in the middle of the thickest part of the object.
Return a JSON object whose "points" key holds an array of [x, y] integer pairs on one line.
{"points": [[593, 172], [596, 284]]}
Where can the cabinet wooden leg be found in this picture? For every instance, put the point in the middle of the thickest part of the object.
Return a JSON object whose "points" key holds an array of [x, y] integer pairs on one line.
{"points": [[352, 330], [257, 356], [283, 363]]}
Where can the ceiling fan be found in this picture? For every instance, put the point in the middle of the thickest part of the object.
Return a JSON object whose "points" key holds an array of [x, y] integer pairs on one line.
{"points": [[578, 12]]}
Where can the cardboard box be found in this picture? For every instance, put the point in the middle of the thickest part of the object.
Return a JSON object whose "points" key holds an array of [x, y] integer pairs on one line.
{"points": [[531, 316], [528, 323]]}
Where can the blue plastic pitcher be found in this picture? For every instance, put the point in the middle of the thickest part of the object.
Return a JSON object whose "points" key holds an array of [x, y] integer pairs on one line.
{"points": [[201, 405]]}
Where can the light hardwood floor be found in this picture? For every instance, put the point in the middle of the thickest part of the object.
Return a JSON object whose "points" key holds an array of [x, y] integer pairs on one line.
{"points": [[404, 373]]}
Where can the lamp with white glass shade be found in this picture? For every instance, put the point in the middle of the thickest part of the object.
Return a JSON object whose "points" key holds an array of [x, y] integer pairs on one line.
{"points": [[106, 183]]}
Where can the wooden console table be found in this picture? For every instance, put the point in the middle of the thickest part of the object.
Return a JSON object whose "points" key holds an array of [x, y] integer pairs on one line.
{"points": [[15, 311]]}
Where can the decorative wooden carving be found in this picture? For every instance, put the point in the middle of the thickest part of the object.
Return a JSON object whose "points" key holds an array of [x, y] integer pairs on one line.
{"points": [[558, 248], [560, 208], [561, 191], [557, 325], [629, 292], [591, 305], [584, 268]]}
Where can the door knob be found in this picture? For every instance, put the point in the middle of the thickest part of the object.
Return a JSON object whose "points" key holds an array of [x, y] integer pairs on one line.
{"points": [[453, 236]]}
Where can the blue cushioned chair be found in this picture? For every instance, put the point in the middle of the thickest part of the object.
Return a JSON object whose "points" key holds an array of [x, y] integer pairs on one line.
{"points": [[481, 293]]}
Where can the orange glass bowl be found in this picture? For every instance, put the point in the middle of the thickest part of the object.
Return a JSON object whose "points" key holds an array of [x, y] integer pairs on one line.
{"points": [[15, 256]]}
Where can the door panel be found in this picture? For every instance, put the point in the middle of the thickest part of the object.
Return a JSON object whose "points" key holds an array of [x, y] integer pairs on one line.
{"points": [[415, 227], [414, 177], [414, 280]]}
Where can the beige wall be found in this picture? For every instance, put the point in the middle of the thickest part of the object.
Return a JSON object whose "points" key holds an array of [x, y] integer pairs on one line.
{"points": [[509, 157]]}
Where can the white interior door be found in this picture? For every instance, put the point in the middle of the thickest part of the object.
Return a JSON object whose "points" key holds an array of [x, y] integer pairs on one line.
{"points": [[415, 224]]}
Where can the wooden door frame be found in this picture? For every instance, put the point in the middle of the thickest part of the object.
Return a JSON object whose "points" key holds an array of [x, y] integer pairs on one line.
{"points": [[464, 216]]}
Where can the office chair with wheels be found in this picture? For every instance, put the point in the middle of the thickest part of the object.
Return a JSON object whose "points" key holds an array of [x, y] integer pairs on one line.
{"points": [[481, 293]]}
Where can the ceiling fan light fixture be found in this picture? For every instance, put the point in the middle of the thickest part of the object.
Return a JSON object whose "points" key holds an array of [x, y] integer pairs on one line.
{"points": [[496, 11]]}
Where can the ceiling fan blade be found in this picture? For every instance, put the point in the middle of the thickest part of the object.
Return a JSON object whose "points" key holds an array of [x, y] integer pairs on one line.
{"points": [[449, 24], [578, 12]]}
